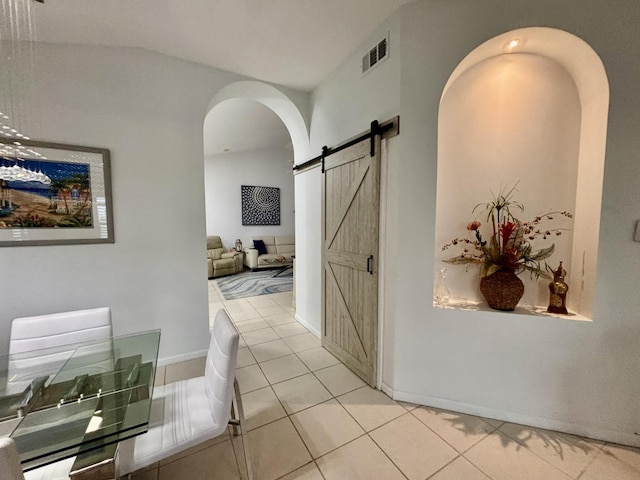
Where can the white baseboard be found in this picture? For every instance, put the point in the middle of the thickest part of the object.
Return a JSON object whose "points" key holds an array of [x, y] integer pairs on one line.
{"points": [[623, 438], [308, 327], [386, 389], [164, 361]]}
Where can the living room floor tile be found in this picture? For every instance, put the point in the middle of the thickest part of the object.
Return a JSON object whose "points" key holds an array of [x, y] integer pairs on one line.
{"points": [[251, 325], [270, 350], [260, 336], [317, 358], [250, 378], [413, 447], [361, 459], [269, 459], [325, 427], [305, 341], [301, 392], [569, 453], [279, 319], [261, 407], [502, 458], [283, 368], [461, 431], [245, 358], [371, 408], [339, 379], [290, 329], [270, 310]]}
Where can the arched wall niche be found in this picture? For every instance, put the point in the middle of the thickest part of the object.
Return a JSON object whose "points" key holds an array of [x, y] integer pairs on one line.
{"points": [[528, 107]]}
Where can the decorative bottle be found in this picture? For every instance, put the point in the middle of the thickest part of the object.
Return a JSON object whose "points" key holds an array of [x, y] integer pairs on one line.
{"points": [[441, 292], [558, 291], [238, 245]]}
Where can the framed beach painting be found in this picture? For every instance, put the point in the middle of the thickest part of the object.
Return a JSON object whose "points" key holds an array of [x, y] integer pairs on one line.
{"points": [[54, 194]]}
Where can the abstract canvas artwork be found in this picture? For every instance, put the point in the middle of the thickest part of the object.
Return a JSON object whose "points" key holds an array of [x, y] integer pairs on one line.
{"points": [[260, 205]]}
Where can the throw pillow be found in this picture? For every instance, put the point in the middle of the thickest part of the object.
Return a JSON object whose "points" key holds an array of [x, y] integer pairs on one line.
{"points": [[259, 244]]}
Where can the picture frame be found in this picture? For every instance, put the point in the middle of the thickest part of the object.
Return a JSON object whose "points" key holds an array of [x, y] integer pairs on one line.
{"points": [[54, 194], [260, 205]]}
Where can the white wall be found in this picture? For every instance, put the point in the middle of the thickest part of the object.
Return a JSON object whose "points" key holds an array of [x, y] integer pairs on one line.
{"points": [[342, 107], [574, 376], [225, 173], [148, 109]]}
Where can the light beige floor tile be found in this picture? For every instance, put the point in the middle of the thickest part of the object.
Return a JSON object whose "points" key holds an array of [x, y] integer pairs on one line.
{"points": [[408, 406], [325, 427], [290, 310], [628, 455], [502, 458], [339, 379], [184, 370], [279, 319], [261, 407], [283, 368], [371, 408], [251, 325], [217, 461], [244, 316], [459, 430], [250, 378], [270, 350], [245, 358], [261, 301], [290, 329], [238, 307], [358, 460], [493, 422], [270, 310], [308, 472], [301, 392], [283, 298], [226, 436], [299, 343], [569, 453], [317, 358], [416, 450], [276, 449], [260, 336], [460, 469], [613, 464]]}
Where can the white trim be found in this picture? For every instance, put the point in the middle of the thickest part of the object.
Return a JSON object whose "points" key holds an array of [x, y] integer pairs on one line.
{"points": [[386, 389], [164, 361], [382, 243], [596, 433], [307, 325]]}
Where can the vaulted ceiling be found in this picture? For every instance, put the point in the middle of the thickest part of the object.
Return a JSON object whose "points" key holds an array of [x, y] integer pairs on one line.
{"points": [[294, 43]]}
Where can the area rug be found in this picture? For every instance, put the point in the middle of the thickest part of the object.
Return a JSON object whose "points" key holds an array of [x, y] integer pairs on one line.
{"points": [[250, 284]]}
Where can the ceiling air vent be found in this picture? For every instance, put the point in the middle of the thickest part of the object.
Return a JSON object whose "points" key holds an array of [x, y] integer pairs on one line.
{"points": [[375, 55]]}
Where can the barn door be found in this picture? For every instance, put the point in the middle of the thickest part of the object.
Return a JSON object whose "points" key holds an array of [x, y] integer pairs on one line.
{"points": [[350, 206]]}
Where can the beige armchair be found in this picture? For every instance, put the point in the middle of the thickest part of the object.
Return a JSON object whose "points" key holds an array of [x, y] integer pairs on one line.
{"points": [[219, 262]]}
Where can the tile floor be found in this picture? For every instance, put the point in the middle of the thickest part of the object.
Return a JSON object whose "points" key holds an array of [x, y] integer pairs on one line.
{"points": [[309, 418]]}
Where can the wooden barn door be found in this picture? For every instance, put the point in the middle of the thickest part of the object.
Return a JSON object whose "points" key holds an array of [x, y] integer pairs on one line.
{"points": [[350, 213]]}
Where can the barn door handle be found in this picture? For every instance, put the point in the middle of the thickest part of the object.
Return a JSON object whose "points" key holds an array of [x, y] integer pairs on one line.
{"points": [[370, 264]]}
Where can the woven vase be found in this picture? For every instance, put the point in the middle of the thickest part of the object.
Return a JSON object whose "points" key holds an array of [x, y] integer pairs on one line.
{"points": [[502, 290]]}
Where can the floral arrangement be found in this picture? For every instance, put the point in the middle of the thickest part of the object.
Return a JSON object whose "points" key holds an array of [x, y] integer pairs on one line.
{"points": [[509, 247]]}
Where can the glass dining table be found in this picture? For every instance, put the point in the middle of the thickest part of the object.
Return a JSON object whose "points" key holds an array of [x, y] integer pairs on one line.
{"points": [[78, 401]]}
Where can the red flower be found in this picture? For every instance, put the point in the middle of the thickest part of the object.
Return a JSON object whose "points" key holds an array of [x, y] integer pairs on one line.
{"points": [[473, 226], [506, 230]]}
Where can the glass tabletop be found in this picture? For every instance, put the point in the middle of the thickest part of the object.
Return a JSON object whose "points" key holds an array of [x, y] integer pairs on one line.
{"points": [[63, 402]]}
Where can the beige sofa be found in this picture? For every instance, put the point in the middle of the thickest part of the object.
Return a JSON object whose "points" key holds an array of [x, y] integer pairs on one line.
{"points": [[219, 262], [280, 252]]}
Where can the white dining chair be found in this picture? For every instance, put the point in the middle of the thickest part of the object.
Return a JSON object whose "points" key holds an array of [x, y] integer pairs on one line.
{"points": [[51, 333], [189, 412], [9, 460]]}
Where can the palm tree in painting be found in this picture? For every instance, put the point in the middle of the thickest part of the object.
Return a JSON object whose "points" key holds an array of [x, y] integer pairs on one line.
{"points": [[82, 179], [58, 188]]}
